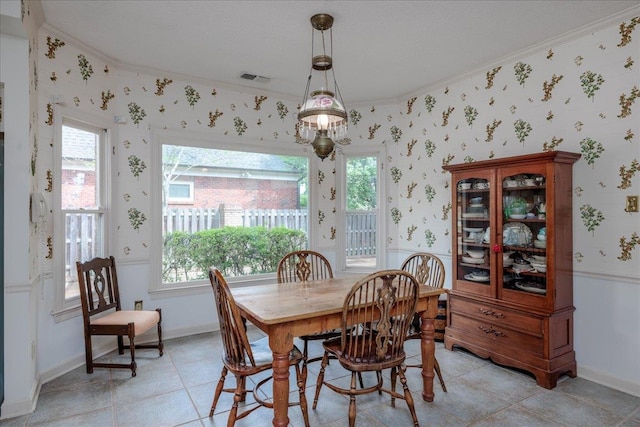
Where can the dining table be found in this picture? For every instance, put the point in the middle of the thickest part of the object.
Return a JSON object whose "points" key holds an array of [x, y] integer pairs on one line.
{"points": [[287, 310]]}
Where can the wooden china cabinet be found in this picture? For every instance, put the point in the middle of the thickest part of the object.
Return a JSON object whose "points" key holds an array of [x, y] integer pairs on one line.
{"points": [[512, 291]]}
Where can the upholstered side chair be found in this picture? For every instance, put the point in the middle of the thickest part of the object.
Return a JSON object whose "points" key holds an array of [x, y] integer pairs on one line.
{"points": [[103, 315]]}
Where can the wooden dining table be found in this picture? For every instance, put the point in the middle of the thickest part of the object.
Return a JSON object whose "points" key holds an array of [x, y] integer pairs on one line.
{"points": [[287, 310]]}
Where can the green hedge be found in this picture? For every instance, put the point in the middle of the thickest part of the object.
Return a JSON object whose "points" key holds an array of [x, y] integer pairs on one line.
{"points": [[236, 251]]}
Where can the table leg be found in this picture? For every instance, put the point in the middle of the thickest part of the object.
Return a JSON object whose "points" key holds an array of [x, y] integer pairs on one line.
{"points": [[428, 350], [281, 343]]}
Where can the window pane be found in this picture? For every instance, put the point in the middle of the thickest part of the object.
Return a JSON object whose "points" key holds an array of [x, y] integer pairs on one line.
{"points": [[83, 232], [361, 213], [362, 178], [179, 191], [79, 155], [246, 211]]}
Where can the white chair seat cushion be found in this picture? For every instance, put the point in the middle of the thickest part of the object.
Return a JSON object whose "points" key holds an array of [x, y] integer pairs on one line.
{"points": [[143, 319]]}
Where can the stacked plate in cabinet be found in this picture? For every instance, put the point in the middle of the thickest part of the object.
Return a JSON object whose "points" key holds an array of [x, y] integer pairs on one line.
{"points": [[478, 276]]}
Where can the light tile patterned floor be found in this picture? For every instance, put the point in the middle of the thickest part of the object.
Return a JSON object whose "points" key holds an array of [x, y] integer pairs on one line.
{"points": [[177, 389]]}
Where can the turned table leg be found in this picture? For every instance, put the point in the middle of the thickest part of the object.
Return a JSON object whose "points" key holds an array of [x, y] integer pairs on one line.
{"points": [[428, 351], [281, 343]]}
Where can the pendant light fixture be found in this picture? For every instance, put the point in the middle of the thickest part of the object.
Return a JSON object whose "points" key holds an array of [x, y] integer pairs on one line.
{"points": [[322, 116]]}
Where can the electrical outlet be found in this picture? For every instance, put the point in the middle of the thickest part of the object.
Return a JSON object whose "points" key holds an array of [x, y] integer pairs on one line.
{"points": [[632, 204]]}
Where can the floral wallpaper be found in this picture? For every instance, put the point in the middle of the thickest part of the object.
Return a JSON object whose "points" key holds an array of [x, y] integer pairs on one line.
{"points": [[575, 96]]}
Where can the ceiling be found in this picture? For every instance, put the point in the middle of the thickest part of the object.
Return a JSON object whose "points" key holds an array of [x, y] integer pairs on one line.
{"points": [[382, 50]]}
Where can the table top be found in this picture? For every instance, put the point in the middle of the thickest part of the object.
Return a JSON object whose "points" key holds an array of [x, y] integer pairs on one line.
{"points": [[286, 302]]}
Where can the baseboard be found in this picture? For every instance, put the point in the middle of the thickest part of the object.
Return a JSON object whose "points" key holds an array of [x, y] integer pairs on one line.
{"points": [[629, 387], [18, 408], [110, 345]]}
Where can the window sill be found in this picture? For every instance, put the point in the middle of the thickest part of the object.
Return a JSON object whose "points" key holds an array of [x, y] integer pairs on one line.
{"points": [[205, 287], [67, 313]]}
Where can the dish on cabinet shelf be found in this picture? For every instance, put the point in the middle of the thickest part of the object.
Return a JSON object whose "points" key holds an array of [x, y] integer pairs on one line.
{"points": [[536, 288], [473, 215], [476, 205], [472, 229], [470, 260], [475, 200], [521, 268], [540, 268], [516, 234], [476, 253], [473, 278], [540, 244], [517, 216]]}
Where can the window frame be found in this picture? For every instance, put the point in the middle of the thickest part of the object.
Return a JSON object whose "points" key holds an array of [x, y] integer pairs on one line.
{"points": [[341, 168], [68, 308], [160, 137], [182, 200]]}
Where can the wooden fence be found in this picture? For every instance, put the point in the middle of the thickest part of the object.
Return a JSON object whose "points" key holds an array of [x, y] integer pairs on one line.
{"points": [[81, 241], [360, 225], [81, 228], [191, 220], [295, 219], [360, 233]]}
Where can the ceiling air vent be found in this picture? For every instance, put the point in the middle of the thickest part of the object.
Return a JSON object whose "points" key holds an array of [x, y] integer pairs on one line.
{"points": [[254, 77]]}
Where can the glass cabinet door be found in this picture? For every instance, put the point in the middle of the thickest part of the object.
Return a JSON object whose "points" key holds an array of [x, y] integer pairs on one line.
{"points": [[474, 203], [522, 259]]}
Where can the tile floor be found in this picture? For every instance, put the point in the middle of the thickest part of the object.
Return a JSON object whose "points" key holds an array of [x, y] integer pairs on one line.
{"points": [[177, 389]]}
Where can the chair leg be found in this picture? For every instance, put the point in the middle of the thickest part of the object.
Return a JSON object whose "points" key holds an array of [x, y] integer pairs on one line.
{"points": [[407, 397], [237, 398], [243, 386], [120, 345], [219, 388], [436, 367], [160, 344], [303, 398], [305, 358], [88, 353], [325, 361], [132, 348], [394, 375], [352, 401]]}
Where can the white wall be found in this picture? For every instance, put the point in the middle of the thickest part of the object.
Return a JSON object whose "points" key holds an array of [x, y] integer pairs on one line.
{"points": [[19, 291], [606, 326]]}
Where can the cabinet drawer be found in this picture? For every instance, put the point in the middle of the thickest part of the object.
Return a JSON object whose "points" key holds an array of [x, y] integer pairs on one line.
{"points": [[498, 316], [492, 335]]}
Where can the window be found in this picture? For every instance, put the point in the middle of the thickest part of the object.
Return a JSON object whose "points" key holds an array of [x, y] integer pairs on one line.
{"points": [[361, 228], [246, 210], [180, 192], [81, 202]]}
